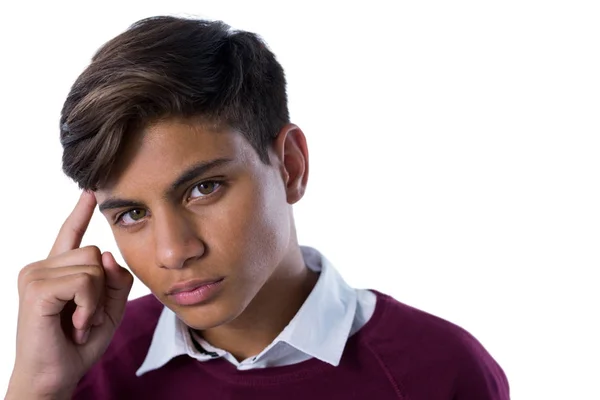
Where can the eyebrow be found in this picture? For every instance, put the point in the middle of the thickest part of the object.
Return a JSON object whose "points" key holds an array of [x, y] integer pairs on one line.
{"points": [[192, 172]]}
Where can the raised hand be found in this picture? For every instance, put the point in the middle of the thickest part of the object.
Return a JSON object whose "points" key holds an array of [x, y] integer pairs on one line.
{"points": [[70, 305]]}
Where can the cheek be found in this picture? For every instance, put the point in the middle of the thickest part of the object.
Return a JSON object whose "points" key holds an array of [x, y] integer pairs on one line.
{"points": [[135, 255], [254, 223]]}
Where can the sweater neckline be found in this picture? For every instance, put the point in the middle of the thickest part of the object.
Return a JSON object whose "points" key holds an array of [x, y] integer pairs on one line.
{"points": [[223, 370]]}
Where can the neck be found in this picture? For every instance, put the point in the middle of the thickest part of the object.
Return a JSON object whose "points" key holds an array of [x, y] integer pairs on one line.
{"points": [[269, 312]]}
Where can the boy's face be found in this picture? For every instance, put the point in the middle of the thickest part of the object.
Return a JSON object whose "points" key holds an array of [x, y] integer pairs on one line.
{"points": [[175, 223]]}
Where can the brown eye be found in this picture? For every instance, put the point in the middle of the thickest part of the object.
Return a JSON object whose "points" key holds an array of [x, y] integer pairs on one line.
{"points": [[132, 216], [137, 214], [204, 189]]}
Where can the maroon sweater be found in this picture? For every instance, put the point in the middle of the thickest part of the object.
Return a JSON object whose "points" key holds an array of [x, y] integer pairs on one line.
{"points": [[401, 353]]}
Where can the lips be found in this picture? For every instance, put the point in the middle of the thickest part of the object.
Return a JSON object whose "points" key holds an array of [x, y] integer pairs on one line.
{"points": [[196, 292], [191, 285]]}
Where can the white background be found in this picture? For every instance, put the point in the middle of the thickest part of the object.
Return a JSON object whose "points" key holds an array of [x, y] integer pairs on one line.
{"points": [[454, 147]]}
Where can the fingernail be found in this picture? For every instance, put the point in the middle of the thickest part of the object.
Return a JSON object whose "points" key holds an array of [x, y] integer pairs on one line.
{"points": [[78, 335], [86, 335]]}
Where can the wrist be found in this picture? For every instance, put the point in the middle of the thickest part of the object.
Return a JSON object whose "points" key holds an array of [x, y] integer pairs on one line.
{"points": [[19, 390], [14, 393]]}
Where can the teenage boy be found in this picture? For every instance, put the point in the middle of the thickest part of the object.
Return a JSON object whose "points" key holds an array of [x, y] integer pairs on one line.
{"points": [[179, 131]]}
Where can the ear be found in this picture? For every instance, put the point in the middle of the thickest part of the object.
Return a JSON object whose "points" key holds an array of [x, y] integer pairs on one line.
{"points": [[292, 154]]}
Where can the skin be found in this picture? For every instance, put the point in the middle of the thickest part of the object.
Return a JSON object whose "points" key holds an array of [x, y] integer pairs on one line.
{"points": [[239, 226], [230, 221], [70, 305]]}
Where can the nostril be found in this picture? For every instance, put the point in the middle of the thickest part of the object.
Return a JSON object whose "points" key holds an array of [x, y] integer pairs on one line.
{"points": [[177, 256]]}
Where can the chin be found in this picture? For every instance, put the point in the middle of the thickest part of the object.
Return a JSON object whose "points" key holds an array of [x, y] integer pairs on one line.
{"points": [[208, 316]]}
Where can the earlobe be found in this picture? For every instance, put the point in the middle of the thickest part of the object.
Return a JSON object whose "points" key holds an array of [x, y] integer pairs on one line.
{"points": [[292, 152]]}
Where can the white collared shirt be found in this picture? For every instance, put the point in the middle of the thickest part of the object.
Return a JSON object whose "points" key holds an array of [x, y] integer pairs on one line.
{"points": [[332, 313]]}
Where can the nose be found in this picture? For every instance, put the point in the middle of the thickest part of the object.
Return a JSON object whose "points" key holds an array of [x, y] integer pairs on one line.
{"points": [[176, 241]]}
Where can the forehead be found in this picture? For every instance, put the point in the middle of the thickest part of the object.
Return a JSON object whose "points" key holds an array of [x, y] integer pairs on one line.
{"points": [[158, 154]]}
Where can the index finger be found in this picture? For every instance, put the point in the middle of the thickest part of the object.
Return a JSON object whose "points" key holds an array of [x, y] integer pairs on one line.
{"points": [[72, 231]]}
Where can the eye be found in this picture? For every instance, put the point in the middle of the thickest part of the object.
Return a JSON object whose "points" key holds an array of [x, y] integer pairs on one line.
{"points": [[132, 216], [204, 189]]}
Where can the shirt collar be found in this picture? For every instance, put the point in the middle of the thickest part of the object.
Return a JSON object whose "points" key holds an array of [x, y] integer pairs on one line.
{"points": [[320, 328], [322, 325]]}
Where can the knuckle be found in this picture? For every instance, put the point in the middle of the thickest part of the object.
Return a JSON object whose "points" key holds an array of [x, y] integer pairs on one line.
{"points": [[26, 271], [95, 271], [72, 228], [87, 283], [92, 253], [84, 280], [33, 290], [86, 288]]}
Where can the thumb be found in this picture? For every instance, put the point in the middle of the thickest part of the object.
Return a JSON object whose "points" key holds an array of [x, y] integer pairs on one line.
{"points": [[118, 282]]}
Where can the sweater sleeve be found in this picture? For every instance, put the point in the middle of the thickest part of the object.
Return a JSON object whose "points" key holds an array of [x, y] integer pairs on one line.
{"points": [[480, 377]]}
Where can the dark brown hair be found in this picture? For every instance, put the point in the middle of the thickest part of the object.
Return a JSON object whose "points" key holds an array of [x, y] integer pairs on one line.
{"points": [[165, 67]]}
